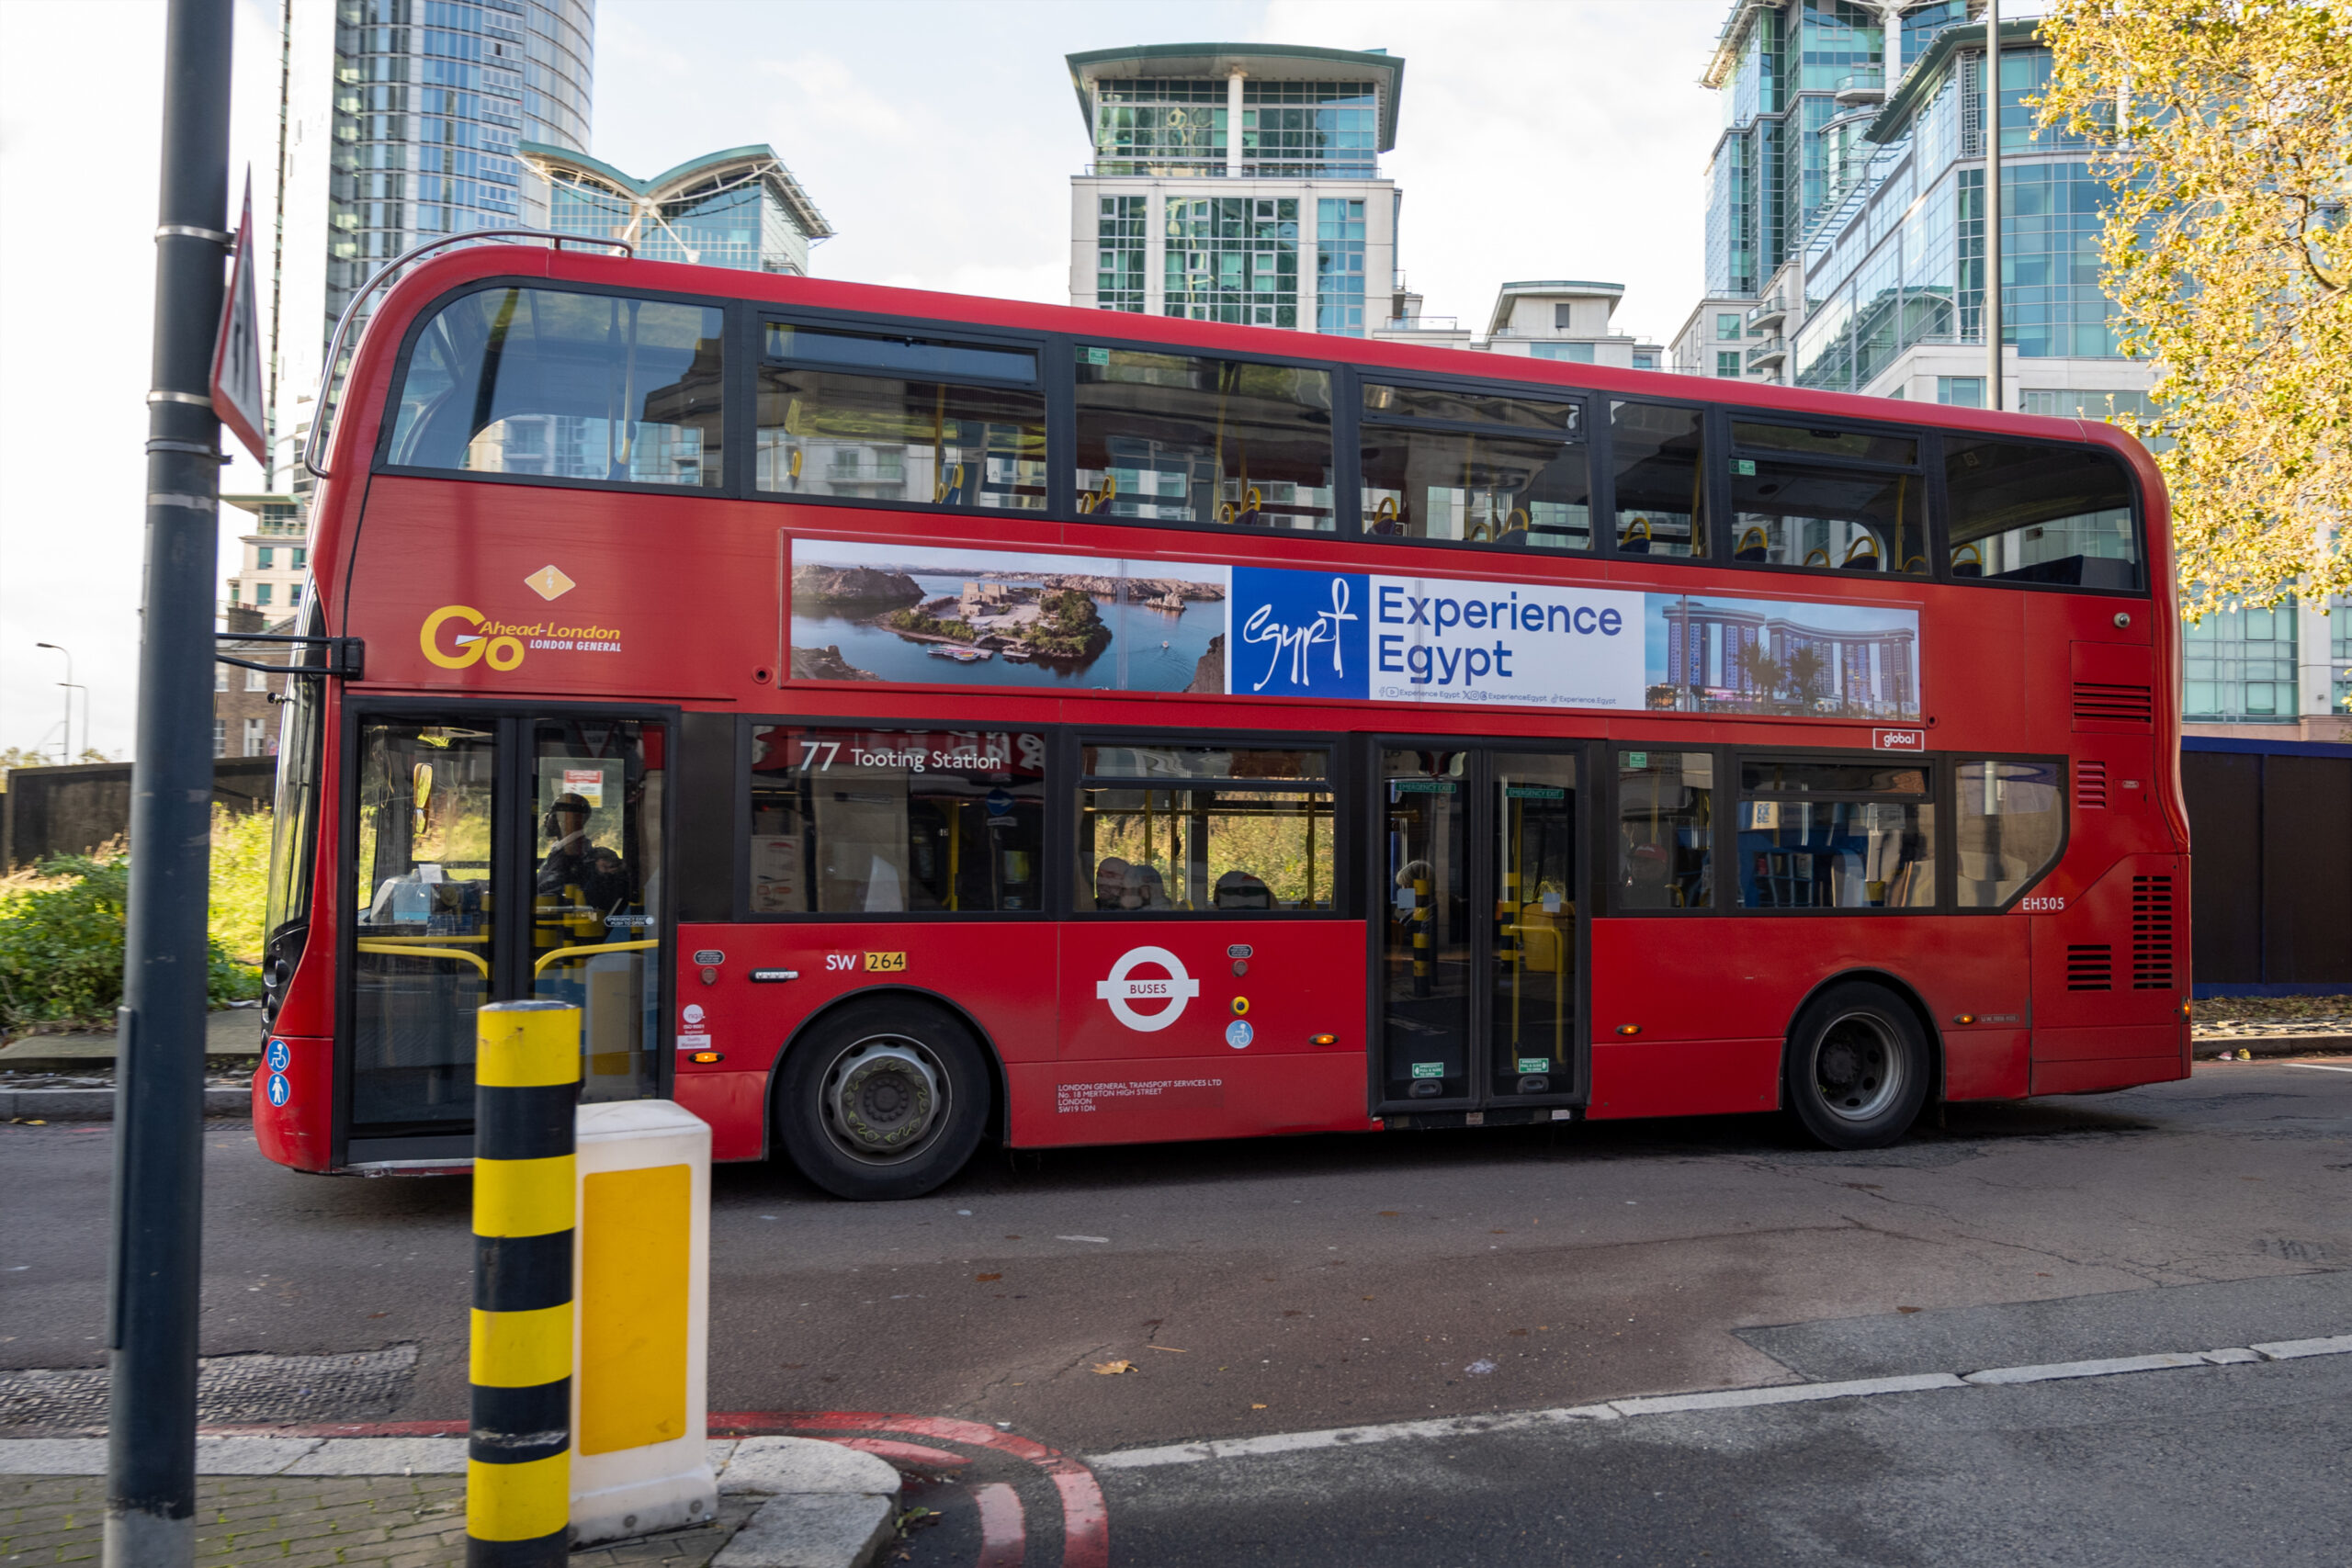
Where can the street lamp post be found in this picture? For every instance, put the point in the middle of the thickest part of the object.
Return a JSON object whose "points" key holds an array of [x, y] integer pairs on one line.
{"points": [[157, 1256], [65, 741]]}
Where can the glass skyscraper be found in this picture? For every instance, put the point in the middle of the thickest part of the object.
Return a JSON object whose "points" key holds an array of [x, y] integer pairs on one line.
{"points": [[1236, 182], [400, 122]]}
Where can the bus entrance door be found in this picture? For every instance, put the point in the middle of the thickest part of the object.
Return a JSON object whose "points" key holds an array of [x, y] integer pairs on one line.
{"points": [[498, 857], [1480, 943]]}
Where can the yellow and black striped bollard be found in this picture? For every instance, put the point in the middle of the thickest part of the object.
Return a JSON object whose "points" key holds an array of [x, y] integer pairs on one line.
{"points": [[519, 1456]]}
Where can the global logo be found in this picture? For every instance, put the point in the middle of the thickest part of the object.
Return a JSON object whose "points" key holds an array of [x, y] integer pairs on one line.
{"points": [[1125, 988]]}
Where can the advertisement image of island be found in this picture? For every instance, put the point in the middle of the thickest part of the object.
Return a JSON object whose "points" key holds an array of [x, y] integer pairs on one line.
{"points": [[1005, 618], [1774, 656]]}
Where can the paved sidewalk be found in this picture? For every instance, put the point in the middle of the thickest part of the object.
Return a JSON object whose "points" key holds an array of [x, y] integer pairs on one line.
{"points": [[400, 1503]]}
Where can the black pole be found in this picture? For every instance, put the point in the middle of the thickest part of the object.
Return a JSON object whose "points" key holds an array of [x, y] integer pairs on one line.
{"points": [[159, 1097]]}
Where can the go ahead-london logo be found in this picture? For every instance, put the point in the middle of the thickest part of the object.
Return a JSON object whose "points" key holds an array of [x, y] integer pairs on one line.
{"points": [[1358, 636], [459, 637]]}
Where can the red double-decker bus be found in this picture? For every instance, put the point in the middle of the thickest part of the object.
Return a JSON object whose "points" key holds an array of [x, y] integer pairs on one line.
{"points": [[898, 720]]}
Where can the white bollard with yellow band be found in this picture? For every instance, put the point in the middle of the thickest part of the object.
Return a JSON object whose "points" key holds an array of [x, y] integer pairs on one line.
{"points": [[642, 1289]]}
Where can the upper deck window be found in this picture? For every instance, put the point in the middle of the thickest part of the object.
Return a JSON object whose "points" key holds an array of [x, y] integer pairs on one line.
{"points": [[568, 386], [884, 417], [1659, 459], [1498, 470], [1187, 439], [1803, 497], [2029, 512]]}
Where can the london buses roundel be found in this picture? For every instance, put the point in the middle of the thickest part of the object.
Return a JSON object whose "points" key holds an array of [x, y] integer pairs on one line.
{"points": [[1124, 988]]}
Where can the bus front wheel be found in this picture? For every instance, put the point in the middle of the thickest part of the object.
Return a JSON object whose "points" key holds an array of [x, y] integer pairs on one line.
{"points": [[883, 1098], [1856, 1073]]}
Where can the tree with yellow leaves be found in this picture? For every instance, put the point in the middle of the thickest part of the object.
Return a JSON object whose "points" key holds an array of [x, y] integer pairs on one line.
{"points": [[2226, 130]]}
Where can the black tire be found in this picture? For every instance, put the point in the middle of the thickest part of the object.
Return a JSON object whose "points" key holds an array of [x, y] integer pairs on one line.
{"points": [[1856, 1073], [885, 1098]]}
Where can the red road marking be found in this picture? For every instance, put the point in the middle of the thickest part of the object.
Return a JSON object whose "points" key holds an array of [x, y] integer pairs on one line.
{"points": [[904, 1453], [1086, 1523], [1003, 1528]]}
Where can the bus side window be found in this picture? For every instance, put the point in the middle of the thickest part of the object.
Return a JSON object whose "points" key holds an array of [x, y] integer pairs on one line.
{"points": [[1660, 471], [896, 821], [1193, 440], [864, 416], [1504, 471], [2034, 513], [1665, 829], [2012, 821], [1203, 828], [566, 386]]}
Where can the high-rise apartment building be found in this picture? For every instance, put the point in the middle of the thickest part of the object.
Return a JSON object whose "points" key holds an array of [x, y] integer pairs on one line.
{"points": [[1237, 182], [1845, 252], [740, 209], [269, 577], [399, 121]]}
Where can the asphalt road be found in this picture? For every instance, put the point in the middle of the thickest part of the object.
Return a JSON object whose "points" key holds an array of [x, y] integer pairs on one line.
{"points": [[1282, 1286]]}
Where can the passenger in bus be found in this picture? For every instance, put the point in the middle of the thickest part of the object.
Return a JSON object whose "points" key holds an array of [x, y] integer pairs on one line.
{"points": [[1111, 876], [1239, 889], [1149, 889], [596, 872]]}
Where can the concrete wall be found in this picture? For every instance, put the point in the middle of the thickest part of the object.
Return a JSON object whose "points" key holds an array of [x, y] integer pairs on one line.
{"points": [[65, 811]]}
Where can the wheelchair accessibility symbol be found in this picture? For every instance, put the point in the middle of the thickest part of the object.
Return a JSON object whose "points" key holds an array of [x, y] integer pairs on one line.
{"points": [[279, 1058]]}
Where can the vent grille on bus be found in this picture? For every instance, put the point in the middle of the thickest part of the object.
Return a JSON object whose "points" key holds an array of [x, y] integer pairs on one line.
{"points": [[2152, 933], [2090, 784], [2090, 966], [2100, 704]]}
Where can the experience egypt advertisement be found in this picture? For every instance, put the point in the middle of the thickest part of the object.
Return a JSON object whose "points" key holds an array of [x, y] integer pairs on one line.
{"points": [[956, 615]]}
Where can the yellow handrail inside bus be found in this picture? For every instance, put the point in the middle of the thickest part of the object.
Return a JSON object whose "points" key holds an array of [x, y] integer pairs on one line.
{"points": [[1969, 549], [1644, 524], [1386, 512], [952, 483], [1916, 563], [1858, 545], [540, 967], [792, 463], [1816, 550], [396, 950], [1763, 542], [434, 940], [1095, 500]]}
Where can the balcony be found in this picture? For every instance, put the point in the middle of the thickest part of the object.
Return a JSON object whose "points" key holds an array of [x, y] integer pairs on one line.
{"points": [[1770, 313], [1861, 87], [1422, 324], [1211, 166], [1772, 353]]}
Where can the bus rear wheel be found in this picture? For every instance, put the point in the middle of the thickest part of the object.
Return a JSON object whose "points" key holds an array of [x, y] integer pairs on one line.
{"points": [[1856, 1071], [883, 1098]]}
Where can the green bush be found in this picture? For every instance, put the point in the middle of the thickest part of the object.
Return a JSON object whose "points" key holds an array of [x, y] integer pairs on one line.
{"points": [[62, 932]]}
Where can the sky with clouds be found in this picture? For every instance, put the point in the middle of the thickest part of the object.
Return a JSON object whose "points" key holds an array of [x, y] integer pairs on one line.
{"points": [[1535, 139]]}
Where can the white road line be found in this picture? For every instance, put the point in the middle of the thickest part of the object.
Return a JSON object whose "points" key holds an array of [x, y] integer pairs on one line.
{"points": [[2316, 1066], [1714, 1399]]}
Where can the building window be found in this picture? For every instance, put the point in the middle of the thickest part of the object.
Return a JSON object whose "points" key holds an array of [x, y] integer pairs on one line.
{"points": [[1159, 126], [1646, 359], [256, 680], [220, 737], [1339, 266], [1727, 361], [261, 593], [1575, 352], [294, 596], [220, 677], [300, 558], [1728, 325], [1564, 318], [2236, 660], [257, 737], [1233, 259], [263, 556], [1301, 130], [1960, 391], [234, 587], [1119, 236]]}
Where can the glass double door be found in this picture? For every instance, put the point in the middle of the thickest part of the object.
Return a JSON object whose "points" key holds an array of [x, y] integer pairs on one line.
{"points": [[499, 857], [1480, 868]]}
